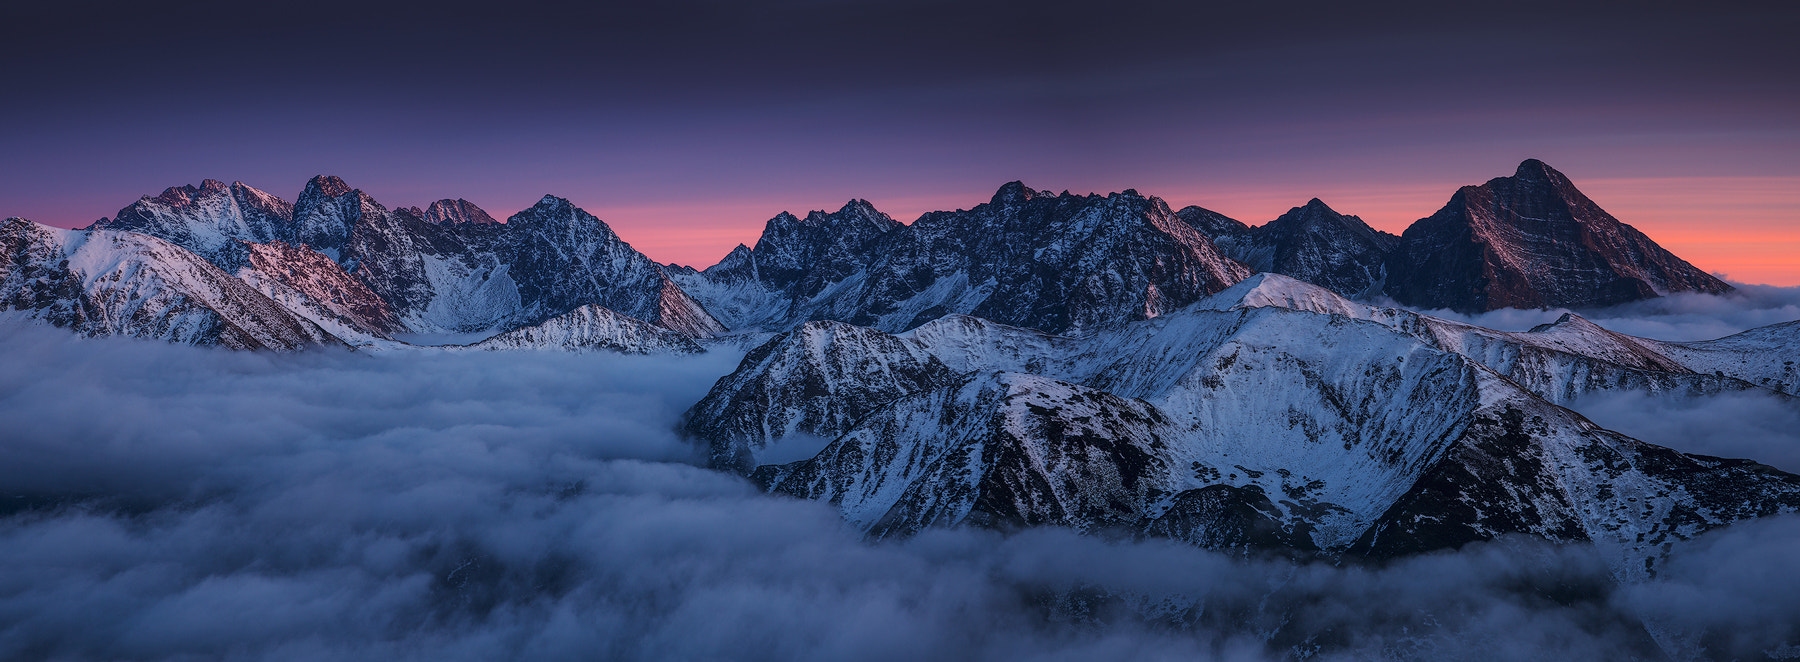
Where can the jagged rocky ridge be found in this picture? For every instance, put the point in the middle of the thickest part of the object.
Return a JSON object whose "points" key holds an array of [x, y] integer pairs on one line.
{"points": [[312, 286], [1236, 423], [1061, 263], [1072, 264], [794, 261]]}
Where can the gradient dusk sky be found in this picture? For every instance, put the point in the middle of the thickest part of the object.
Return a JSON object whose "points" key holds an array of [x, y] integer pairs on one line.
{"points": [[687, 125]]}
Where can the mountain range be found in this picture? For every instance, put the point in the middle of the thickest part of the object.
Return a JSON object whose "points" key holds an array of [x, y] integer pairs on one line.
{"points": [[1100, 362]]}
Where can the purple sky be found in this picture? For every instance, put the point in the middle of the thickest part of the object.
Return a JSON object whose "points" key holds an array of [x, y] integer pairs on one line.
{"points": [[688, 125]]}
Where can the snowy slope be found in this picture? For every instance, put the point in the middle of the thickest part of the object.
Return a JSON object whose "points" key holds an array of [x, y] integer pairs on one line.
{"points": [[1001, 450], [312, 286], [1559, 361], [590, 328], [102, 282], [815, 380], [1767, 356], [1246, 427], [1526, 466]]}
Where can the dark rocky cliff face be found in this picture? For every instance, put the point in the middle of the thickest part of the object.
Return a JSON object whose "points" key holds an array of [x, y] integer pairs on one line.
{"points": [[1060, 263], [801, 256], [561, 258], [1532, 241], [1312, 243]]}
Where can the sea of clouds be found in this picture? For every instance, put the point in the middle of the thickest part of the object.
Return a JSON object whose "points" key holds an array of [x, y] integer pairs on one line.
{"points": [[1677, 317], [162, 502]]}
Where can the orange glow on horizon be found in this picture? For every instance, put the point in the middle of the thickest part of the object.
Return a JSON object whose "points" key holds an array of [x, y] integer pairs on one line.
{"points": [[1747, 228]]}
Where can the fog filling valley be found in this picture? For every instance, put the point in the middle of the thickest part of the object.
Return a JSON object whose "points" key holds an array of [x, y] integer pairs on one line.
{"points": [[1678, 317], [167, 502]]}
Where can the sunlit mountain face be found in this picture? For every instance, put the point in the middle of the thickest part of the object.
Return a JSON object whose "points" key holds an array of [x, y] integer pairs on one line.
{"points": [[898, 331]]}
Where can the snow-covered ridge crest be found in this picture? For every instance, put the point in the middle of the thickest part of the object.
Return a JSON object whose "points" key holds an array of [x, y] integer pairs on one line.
{"points": [[1559, 361], [210, 219], [590, 328]]}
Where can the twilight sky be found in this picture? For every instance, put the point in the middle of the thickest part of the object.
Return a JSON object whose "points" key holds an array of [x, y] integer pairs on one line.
{"points": [[687, 125]]}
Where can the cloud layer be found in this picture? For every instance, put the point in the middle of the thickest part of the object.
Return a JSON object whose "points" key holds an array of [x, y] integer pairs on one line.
{"points": [[171, 502], [1677, 317], [1756, 425]]}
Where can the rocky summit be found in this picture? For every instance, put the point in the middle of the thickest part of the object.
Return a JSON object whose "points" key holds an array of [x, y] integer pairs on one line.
{"points": [[1533, 241]]}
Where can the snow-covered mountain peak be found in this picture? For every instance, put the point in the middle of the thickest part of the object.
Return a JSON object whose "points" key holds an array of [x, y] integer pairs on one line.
{"points": [[857, 217], [1534, 169], [209, 219], [561, 257], [1315, 214], [1275, 290], [1311, 242]]}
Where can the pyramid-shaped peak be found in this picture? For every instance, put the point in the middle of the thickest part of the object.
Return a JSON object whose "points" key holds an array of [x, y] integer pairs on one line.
{"points": [[557, 211], [1315, 210]]}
